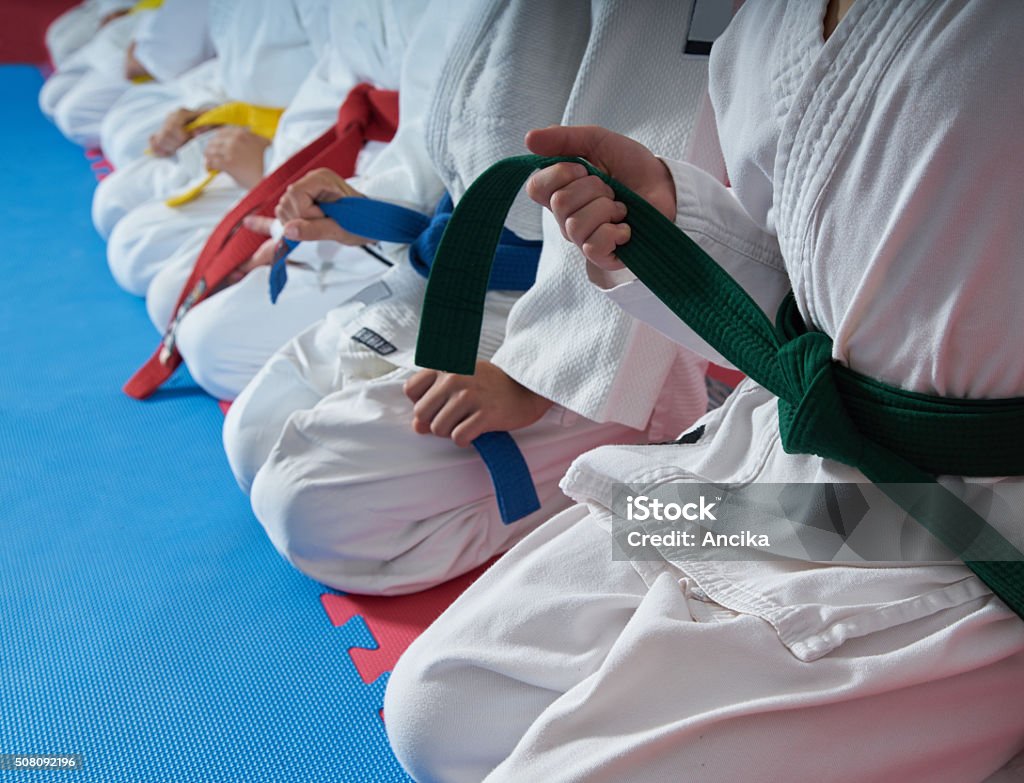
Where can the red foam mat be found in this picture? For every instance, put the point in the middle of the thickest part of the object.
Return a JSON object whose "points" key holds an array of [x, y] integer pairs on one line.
{"points": [[24, 27]]}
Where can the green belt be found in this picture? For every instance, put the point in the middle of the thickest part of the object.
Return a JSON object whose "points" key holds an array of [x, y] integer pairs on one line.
{"points": [[900, 440]]}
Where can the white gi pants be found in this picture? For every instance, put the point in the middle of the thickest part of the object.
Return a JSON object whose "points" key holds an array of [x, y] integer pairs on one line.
{"points": [[72, 30], [350, 494], [141, 111], [152, 179], [228, 337], [78, 95], [134, 117], [148, 236], [560, 664]]}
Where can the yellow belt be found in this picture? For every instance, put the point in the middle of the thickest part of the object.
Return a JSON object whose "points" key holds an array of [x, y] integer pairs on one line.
{"points": [[261, 120], [146, 5]]}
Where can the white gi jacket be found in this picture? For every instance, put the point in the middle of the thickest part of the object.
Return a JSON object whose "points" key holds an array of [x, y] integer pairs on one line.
{"points": [[906, 252], [367, 43], [614, 370], [174, 39]]}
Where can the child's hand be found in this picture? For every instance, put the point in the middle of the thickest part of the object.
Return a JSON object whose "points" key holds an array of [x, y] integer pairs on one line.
{"points": [[172, 134], [463, 407], [108, 18], [264, 256], [133, 69], [584, 206], [303, 220], [238, 152]]}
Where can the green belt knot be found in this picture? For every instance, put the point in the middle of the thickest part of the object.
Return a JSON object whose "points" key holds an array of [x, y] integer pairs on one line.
{"points": [[812, 415]]}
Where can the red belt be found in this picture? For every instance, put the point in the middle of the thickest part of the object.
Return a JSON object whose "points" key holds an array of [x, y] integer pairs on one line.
{"points": [[368, 114]]}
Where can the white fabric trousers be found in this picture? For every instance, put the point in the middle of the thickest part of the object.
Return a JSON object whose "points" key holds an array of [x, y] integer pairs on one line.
{"points": [[81, 91], [152, 234], [150, 179], [133, 118], [351, 495], [228, 337], [141, 111], [72, 30], [560, 664]]}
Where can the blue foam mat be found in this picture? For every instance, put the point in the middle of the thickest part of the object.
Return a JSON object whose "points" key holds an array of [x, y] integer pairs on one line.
{"points": [[145, 621]]}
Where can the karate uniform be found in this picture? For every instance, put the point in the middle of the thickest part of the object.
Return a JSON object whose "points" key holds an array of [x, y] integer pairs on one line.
{"points": [[875, 174], [263, 56], [227, 338], [140, 111], [79, 92], [322, 436], [171, 44], [74, 28]]}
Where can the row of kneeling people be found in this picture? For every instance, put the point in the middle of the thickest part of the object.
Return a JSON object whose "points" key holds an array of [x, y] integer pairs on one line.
{"points": [[283, 173]]}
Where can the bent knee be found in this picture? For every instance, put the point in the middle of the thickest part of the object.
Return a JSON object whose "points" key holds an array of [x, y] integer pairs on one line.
{"points": [[52, 91], [78, 120], [306, 521], [247, 443], [108, 207], [161, 298], [437, 722], [207, 352], [311, 514], [123, 258]]}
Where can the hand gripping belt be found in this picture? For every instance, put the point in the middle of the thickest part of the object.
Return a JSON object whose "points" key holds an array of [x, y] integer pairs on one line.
{"points": [[368, 114], [513, 268], [900, 440]]}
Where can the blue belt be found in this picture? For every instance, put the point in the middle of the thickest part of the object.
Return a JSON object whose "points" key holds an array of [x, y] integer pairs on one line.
{"points": [[515, 269]]}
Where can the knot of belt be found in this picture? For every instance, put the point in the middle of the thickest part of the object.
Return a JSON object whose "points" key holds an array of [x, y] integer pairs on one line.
{"points": [[812, 417], [898, 439]]}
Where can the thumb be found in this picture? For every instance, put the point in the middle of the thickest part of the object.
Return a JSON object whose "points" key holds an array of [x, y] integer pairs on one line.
{"points": [[584, 141]]}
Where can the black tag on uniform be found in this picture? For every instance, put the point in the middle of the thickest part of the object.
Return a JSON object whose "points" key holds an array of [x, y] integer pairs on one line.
{"points": [[374, 341], [708, 19], [693, 436]]}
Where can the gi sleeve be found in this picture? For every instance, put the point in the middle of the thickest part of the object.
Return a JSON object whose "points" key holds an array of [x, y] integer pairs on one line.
{"points": [[708, 212]]}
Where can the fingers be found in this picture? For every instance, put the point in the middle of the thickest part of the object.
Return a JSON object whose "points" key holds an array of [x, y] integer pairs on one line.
{"points": [[428, 406], [213, 156], [221, 149], [418, 384], [299, 199], [166, 141], [600, 247], [585, 208], [303, 220], [579, 222], [456, 409], [586, 221], [258, 224], [469, 429], [542, 185], [172, 135], [264, 255], [442, 402], [298, 203], [319, 230]]}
